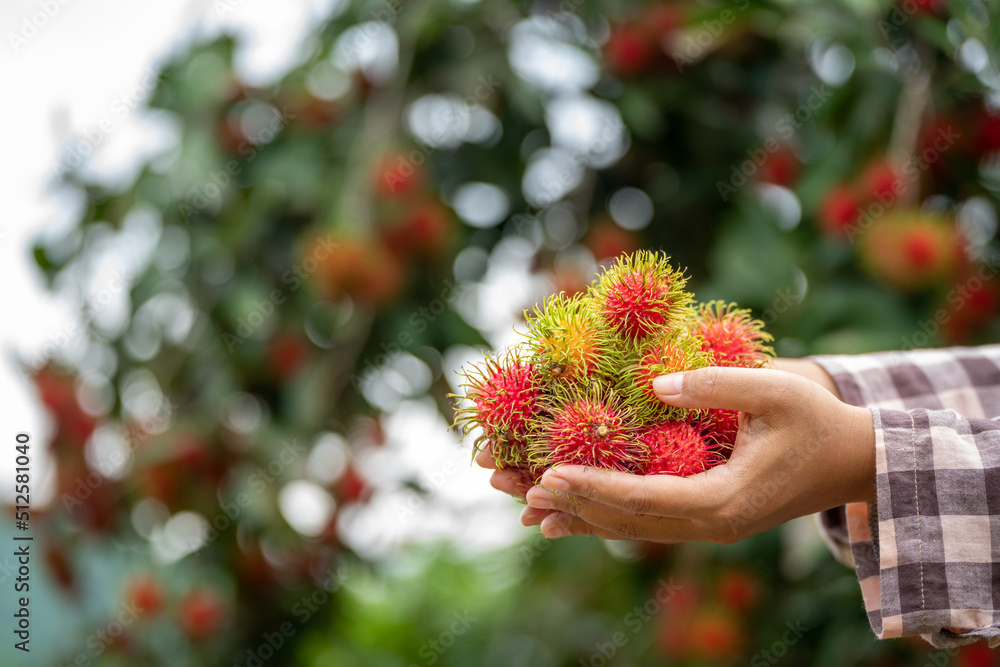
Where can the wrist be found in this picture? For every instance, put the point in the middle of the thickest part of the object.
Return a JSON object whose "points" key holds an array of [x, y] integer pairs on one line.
{"points": [[860, 437]]}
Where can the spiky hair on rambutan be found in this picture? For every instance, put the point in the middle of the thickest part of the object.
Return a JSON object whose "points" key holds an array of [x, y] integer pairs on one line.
{"points": [[565, 339], [641, 294], [722, 425], [668, 352], [731, 336], [591, 427], [679, 448], [503, 398]]}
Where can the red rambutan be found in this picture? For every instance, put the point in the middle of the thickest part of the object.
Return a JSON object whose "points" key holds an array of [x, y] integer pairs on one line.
{"points": [[641, 294], [722, 426], [678, 448], [910, 250], [591, 429], [607, 240], [883, 180], [145, 592], [739, 590], [731, 336], [839, 210], [505, 396], [395, 175], [629, 50]]}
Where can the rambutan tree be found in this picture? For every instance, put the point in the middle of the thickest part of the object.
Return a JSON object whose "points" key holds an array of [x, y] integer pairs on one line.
{"points": [[314, 251]]}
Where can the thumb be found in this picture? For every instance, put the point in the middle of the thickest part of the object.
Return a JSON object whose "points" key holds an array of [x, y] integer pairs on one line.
{"points": [[752, 390]]}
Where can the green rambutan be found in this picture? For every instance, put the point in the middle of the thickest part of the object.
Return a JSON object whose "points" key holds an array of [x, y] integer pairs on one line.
{"points": [[731, 336], [592, 428], [505, 395], [641, 294], [659, 355], [679, 448], [565, 339]]}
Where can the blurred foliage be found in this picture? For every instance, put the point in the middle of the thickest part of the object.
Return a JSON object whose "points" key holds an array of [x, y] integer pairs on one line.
{"points": [[309, 251]]}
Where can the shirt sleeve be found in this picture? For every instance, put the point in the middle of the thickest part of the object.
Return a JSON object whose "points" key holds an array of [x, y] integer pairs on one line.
{"points": [[927, 553]]}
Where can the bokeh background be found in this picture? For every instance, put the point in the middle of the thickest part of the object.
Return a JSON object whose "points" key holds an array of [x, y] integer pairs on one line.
{"points": [[248, 246]]}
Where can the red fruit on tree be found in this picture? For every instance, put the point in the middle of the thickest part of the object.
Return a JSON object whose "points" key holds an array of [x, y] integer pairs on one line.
{"points": [[146, 593], [839, 211], [396, 176], [678, 448], [663, 19], [988, 136], [739, 590], [423, 231], [883, 180], [715, 635], [919, 249], [201, 614], [607, 240], [629, 50], [780, 168], [911, 250], [355, 266], [286, 355], [352, 487]]}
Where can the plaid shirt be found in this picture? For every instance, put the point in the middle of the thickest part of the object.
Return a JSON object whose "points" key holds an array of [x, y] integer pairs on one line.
{"points": [[927, 554]]}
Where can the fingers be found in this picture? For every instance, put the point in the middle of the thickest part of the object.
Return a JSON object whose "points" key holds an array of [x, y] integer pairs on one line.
{"points": [[560, 524], [752, 390], [512, 481], [661, 495], [485, 457], [605, 519]]}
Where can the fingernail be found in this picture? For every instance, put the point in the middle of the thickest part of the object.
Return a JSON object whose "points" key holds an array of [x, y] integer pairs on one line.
{"points": [[553, 483], [668, 385], [554, 526], [529, 513], [542, 501]]}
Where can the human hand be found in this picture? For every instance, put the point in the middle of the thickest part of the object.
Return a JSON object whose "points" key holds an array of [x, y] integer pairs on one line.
{"points": [[799, 450]]}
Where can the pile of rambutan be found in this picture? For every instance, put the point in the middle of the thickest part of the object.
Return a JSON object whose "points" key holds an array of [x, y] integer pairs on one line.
{"points": [[578, 389]]}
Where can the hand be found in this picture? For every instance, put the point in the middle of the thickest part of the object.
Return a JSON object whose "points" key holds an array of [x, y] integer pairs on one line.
{"points": [[799, 450]]}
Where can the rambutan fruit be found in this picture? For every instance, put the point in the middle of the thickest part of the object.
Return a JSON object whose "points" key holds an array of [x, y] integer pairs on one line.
{"points": [[565, 339], [606, 240], [422, 230], [678, 448], [660, 355], [781, 168], [396, 176], [739, 590], [731, 336], [641, 294], [629, 50], [882, 179], [505, 396], [715, 636], [839, 210], [591, 428], [910, 250], [722, 426]]}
